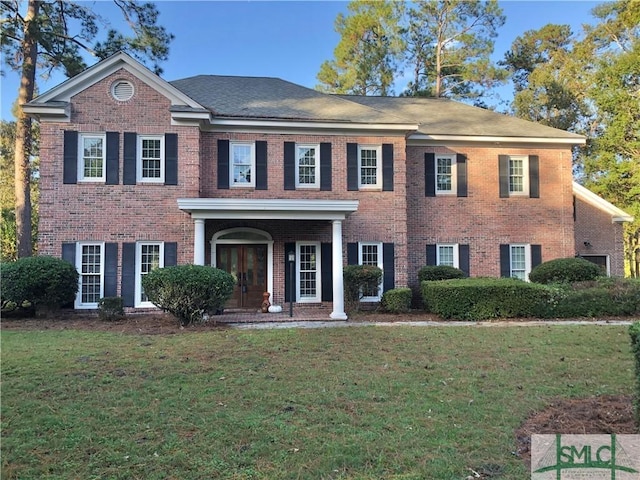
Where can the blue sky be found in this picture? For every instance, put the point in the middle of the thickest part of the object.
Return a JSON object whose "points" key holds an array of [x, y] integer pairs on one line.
{"points": [[285, 39]]}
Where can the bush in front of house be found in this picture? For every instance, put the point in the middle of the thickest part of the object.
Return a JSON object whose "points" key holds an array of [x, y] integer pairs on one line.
{"points": [[483, 298], [188, 292], [634, 332], [44, 283], [111, 308], [359, 279], [565, 270], [439, 272], [397, 300]]}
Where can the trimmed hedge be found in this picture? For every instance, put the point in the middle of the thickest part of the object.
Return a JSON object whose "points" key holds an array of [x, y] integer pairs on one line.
{"points": [[359, 278], [484, 298], [439, 272], [397, 300], [634, 332], [574, 269], [111, 308]]}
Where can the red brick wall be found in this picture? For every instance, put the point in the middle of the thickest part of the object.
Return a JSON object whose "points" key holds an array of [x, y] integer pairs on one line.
{"points": [[603, 237]]}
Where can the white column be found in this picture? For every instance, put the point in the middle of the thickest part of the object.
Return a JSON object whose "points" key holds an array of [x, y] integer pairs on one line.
{"points": [[338, 287], [198, 242]]}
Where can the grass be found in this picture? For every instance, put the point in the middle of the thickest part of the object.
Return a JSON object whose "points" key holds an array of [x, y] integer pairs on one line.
{"points": [[344, 403]]}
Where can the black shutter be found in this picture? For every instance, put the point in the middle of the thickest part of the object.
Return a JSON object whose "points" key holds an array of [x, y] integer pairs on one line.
{"points": [[288, 247], [429, 175], [128, 282], [536, 255], [388, 267], [326, 270], [113, 159], [431, 254], [505, 261], [69, 253], [387, 167], [130, 160], [534, 176], [170, 254], [261, 165], [503, 170], [352, 254], [171, 159], [110, 269], [325, 167], [461, 173], [352, 166], [289, 166], [70, 157], [463, 259], [223, 164]]}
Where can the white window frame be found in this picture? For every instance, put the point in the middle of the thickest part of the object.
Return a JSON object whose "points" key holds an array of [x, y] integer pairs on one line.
{"points": [[378, 184], [525, 175], [252, 182], [454, 180], [138, 287], [527, 260], [456, 255], [81, 139], [139, 170], [79, 304], [380, 264], [318, 296], [316, 166]]}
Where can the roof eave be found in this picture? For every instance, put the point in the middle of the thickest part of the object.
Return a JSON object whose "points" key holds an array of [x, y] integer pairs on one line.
{"points": [[617, 215], [418, 138]]}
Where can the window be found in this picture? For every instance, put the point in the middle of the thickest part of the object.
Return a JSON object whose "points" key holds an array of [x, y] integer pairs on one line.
{"points": [[371, 254], [149, 256], [518, 175], [90, 265], [369, 166], [447, 255], [307, 166], [446, 174], [243, 161], [309, 272], [520, 261], [92, 158], [151, 162]]}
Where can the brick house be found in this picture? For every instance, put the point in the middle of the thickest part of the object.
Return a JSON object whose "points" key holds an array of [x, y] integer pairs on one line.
{"points": [[244, 173]]}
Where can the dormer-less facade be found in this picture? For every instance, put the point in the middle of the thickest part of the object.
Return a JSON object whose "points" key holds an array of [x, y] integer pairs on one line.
{"points": [[244, 172]]}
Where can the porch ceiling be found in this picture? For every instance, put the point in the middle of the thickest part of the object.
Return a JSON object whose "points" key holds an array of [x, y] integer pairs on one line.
{"points": [[267, 209]]}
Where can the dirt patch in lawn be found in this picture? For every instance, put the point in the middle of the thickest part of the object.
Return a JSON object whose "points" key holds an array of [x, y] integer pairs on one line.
{"points": [[604, 414]]}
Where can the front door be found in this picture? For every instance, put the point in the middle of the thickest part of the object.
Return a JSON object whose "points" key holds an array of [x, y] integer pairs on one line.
{"points": [[248, 265]]}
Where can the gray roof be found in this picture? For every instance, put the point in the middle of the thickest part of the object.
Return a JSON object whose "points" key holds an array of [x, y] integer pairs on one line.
{"points": [[440, 116], [273, 98]]}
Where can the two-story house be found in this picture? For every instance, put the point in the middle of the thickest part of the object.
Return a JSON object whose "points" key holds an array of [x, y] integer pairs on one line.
{"points": [[282, 185]]}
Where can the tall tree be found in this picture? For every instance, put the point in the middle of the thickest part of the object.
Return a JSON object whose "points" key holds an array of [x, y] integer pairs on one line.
{"points": [[41, 38], [367, 55], [544, 76], [449, 47]]}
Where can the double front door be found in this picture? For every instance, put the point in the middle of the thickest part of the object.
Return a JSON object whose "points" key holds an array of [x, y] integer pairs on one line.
{"points": [[248, 265]]}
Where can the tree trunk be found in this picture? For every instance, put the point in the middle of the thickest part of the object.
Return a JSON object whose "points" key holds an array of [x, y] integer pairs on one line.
{"points": [[23, 132]]}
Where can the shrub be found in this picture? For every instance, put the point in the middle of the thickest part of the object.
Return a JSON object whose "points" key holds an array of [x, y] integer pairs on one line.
{"points": [[483, 298], [359, 279], [634, 332], [45, 283], [188, 291], [439, 272], [565, 270], [397, 300], [110, 308]]}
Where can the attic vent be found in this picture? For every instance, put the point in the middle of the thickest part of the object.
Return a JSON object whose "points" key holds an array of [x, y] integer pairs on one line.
{"points": [[122, 90]]}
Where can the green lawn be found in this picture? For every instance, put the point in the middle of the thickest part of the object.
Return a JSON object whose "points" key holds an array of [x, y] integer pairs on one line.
{"points": [[341, 403]]}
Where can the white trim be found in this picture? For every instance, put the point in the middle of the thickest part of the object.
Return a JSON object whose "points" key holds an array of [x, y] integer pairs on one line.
{"points": [[81, 176], [379, 265], [139, 176], [316, 147], [318, 271], [138, 269], [527, 259], [252, 159], [525, 175], [617, 215], [417, 138], [378, 184], [456, 253], [78, 304], [454, 173]]}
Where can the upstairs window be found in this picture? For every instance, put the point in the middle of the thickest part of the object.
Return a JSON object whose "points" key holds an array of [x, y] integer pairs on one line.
{"points": [[518, 176], [369, 167], [307, 166], [91, 164], [445, 174], [243, 162], [151, 163]]}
